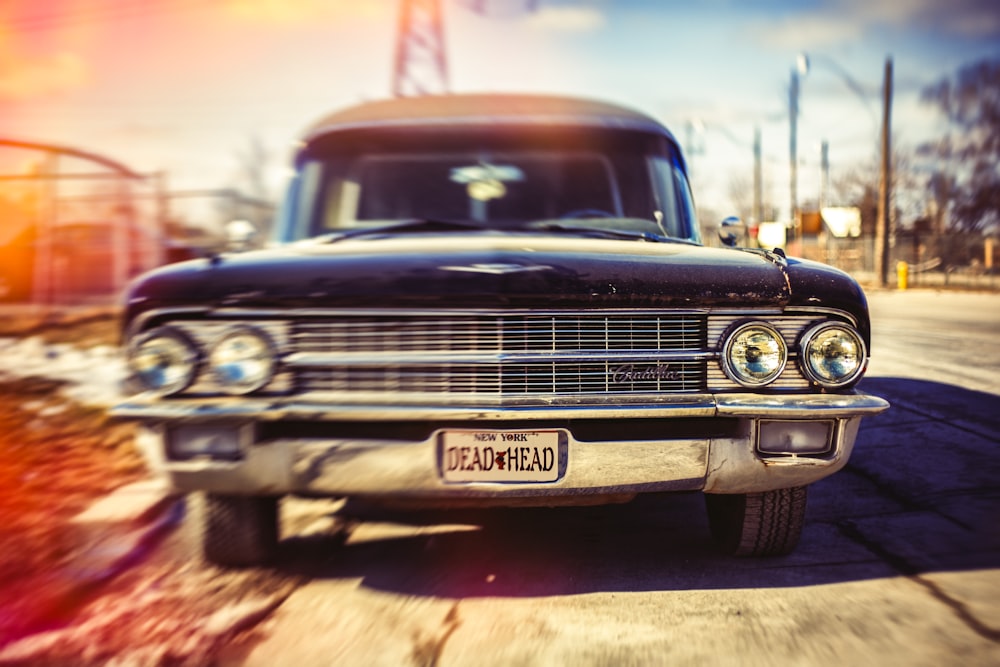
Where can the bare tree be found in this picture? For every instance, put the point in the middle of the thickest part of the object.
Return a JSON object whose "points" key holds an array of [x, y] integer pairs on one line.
{"points": [[253, 162], [858, 187], [250, 197], [970, 150], [741, 197]]}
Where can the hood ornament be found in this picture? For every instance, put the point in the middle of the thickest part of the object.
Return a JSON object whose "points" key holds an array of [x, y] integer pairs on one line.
{"points": [[497, 269]]}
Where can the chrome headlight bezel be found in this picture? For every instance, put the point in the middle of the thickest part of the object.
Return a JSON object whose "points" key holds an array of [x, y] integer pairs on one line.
{"points": [[814, 336], [736, 341], [173, 342], [250, 378]]}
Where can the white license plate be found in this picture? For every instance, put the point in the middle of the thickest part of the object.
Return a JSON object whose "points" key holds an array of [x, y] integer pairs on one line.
{"points": [[500, 456]]}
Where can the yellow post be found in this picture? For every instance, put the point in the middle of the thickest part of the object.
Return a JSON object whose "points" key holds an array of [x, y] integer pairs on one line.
{"points": [[902, 274]]}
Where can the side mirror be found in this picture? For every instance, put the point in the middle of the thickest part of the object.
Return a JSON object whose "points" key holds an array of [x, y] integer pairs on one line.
{"points": [[239, 235], [731, 231]]}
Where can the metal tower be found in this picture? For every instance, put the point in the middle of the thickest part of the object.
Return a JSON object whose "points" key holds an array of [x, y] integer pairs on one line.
{"points": [[421, 65]]}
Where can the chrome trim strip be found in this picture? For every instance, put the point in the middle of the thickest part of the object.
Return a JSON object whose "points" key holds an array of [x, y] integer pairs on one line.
{"points": [[463, 312], [139, 323], [797, 406], [227, 312], [819, 310], [327, 359], [807, 406]]}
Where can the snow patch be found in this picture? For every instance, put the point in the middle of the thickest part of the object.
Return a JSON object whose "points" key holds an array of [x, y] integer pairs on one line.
{"points": [[94, 375]]}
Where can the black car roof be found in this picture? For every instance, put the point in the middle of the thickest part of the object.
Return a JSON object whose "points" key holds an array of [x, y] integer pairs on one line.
{"points": [[484, 109]]}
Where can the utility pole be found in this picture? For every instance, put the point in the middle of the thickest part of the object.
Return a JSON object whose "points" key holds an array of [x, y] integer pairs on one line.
{"points": [[824, 183], [421, 63], [758, 185], [793, 153], [885, 182]]}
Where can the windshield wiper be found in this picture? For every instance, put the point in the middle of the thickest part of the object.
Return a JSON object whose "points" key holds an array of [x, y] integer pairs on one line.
{"points": [[415, 225], [602, 232]]}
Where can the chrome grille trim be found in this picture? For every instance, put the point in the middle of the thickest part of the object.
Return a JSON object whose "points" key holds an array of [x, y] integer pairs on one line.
{"points": [[306, 360], [508, 380], [507, 333], [789, 326], [501, 354]]}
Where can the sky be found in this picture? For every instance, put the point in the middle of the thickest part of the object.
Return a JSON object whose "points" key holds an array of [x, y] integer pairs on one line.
{"points": [[187, 86]]}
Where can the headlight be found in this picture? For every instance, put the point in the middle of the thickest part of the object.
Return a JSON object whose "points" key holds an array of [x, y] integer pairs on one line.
{"points": [[754, 354], [163, 360], [833, 355], [242, 360]]}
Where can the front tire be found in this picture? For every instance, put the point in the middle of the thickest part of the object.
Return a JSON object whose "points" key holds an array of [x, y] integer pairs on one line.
{"points": [[240, 531], [757, 524]]}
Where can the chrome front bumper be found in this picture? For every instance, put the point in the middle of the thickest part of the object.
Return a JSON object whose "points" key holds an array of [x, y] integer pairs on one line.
{"points": [[389, 468]]}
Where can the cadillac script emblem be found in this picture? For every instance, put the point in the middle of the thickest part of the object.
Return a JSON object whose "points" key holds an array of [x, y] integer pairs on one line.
{"points": [[630, 373]]}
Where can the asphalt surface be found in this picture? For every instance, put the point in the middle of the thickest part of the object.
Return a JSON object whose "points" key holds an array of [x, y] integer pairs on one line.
{"points": [[899, 562]]}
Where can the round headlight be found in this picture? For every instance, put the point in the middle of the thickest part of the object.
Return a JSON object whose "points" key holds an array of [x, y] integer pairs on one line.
{"points": [[242, 360], [833, 355], [163, 360], [754, 355]]}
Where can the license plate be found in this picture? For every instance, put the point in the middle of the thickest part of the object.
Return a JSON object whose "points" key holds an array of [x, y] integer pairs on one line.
{"points": [[499, 456]]}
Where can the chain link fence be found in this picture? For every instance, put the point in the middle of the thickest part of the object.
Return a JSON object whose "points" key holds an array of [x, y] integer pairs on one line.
{"points": [[952, 259], [76, 227]]}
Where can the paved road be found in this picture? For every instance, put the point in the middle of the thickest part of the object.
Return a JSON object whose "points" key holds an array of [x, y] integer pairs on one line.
{"points": [[949, 337], [900, 562]]}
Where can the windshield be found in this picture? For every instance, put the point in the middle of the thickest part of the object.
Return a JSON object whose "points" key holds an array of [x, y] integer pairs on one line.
{"points": [[497, 189]]}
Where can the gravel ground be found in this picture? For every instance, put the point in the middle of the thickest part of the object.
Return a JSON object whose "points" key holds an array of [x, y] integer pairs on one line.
{"points": [[58, 451]]}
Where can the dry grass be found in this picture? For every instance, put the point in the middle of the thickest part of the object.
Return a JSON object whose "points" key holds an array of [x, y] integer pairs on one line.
{"points": [[82, 327], [55, 458]]}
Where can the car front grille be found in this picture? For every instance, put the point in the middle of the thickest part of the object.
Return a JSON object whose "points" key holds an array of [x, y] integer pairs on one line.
{"points": [[473, 358], [510, 355]]}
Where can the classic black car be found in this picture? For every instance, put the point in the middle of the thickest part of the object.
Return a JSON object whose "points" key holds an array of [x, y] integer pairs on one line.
{"points": [[496, 300]]}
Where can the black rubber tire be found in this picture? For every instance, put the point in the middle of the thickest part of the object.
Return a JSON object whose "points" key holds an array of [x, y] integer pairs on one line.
{"points": [[240, 531], [757, 524]]}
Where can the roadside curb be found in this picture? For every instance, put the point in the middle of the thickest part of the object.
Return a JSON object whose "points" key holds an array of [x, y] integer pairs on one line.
{"points": [[111, 535]]}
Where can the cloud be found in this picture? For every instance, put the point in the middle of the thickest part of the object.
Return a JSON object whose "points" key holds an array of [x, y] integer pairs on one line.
{"points": [[23, 77], [808, 32], [957, 18], [838, 21], [565, 18], [974, 26]]}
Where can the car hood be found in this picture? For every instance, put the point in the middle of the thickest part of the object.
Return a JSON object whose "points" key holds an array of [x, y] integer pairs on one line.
{"points": [[473, 270]]}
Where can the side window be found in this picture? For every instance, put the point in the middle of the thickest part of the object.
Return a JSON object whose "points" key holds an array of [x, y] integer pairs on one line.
{"points": [[667, 196], [298, 210], [287, 226], [685, 202], [674, 199]]}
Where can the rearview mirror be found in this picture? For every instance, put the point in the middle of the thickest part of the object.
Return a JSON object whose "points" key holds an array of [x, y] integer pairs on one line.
{"points": [[240, 235], [731, 231]]}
